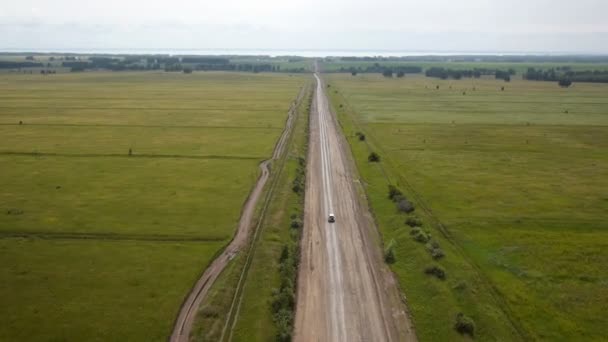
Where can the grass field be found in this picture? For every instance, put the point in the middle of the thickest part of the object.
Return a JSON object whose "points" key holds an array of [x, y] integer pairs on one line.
{"points": [[101, 243], [513, 186]]}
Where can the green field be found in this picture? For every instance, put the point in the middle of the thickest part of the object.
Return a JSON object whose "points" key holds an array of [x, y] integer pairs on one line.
{"points": [[513, 186], [99, 243]]}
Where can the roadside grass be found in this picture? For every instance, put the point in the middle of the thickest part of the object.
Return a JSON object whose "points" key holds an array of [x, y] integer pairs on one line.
{"points": [[66, 290], [514, 190], [196, 142]]}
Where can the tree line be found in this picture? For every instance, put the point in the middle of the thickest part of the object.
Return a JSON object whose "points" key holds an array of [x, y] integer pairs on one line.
{"points": [[19, 65], [565, 74], [444, 73]]}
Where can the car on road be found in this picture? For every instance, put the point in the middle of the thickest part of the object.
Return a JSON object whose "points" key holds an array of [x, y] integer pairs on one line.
{"points": [[332, 218]]}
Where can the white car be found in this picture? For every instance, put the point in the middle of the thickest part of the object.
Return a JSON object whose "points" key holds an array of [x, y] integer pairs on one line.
{"points": [[332, 218]]}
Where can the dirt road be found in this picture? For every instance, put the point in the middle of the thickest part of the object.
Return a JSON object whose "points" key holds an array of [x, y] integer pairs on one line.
{"points": [[187, 314], [345, 291]]}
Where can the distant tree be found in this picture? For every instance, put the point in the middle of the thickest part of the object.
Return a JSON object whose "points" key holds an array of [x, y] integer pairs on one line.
{"points": [[564, 82], [187, 70], [29, 58], [354, 73], [400, 74], [387, 73]]}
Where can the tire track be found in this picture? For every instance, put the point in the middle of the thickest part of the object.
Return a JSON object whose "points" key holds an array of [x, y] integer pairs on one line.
{"points": [[185, 319]]}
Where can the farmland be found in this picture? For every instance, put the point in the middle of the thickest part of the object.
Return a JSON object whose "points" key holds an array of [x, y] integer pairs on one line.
{"points": [[118, 189], [510, 183]]}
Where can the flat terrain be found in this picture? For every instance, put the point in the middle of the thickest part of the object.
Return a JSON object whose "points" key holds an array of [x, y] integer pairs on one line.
{"points": [[102, 243], [512, 184], [345, 293]]}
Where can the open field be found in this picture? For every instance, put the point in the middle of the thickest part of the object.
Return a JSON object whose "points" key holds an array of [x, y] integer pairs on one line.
{"points": [[511, 184], [136, 230]]}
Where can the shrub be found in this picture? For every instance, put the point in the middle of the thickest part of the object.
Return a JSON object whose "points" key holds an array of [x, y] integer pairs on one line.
{"points": [[464, 324], [389, 253], [413, 221], [435, 250], [420, 235], [210, 312], [436, 271], [394, 193], [564, 83], [373, 157], [405, 206], [296, 223], [360, 135]]}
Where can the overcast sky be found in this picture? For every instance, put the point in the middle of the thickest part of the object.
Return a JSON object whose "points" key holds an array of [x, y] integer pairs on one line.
{"points": [[405, 25]]}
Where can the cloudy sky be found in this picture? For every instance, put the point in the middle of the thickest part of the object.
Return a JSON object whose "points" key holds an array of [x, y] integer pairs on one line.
{"points": [[374, 25]]}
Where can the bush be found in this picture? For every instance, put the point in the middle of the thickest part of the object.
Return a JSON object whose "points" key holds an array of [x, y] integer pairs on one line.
{"points": [[296, 223], [405, 206], [362, 137], [420, 235], [464, 324], [413, 221], [435, 250], [373, 157], [394, 193], [564, 83], [389, 253], [436, 271]]}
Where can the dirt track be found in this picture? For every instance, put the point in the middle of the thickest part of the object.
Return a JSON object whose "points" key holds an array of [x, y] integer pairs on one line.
{"points": [[345, 291], [185, 319]]}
